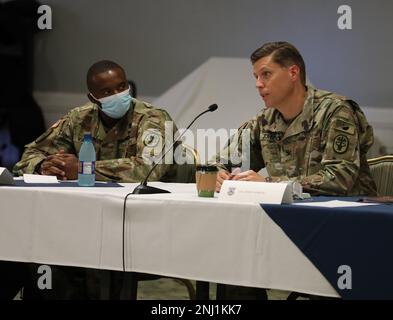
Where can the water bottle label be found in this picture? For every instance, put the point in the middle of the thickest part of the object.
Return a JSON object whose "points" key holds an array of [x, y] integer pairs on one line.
{"points": [[86, 167]]}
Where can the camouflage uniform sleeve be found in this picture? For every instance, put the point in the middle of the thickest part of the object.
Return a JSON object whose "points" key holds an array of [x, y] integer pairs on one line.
{"points": [[340, 162], [152, 134], [243, 149], [56, 137]]}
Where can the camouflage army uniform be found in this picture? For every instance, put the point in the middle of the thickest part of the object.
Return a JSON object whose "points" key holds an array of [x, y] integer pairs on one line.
{"points": [[324, 147], [123, 152]]}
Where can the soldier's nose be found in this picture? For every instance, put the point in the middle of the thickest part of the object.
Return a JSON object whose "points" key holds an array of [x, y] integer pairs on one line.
{"points": [[259, 84]]}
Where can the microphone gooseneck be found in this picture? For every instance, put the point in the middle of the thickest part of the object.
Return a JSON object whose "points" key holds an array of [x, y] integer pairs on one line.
{"points": [[143, 188]]}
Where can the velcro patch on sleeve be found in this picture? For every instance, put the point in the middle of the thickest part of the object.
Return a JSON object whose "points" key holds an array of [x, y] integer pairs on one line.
{"points": [[344, 126]]}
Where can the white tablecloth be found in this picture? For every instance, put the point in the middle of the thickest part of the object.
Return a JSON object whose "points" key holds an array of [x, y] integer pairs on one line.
{"points": [[177, 234]]}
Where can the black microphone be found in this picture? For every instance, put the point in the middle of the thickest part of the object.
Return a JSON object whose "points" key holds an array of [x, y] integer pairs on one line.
{"points": [[143, 188]]}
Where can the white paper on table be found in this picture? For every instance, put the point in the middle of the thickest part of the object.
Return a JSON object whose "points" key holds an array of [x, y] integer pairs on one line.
{"points": [[36, 178], [335, 204]]}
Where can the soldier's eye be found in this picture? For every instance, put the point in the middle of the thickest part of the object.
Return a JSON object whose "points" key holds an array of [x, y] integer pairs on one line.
{"points": [[266, 74]]}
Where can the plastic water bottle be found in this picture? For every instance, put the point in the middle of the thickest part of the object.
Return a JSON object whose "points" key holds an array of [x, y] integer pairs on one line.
{"points": [[87, 159]]}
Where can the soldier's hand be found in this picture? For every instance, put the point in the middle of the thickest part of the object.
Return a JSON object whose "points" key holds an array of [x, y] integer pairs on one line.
{"points": [[63, 165], [48, 167], [221, 176], [68, 163], [249, 175]]}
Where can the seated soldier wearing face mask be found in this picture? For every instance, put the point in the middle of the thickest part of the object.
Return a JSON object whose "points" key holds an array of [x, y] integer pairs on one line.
{"points": [[125, 132]]}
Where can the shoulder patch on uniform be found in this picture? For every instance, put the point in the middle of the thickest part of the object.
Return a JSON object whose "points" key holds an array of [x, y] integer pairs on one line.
{"points": [[340, 144], [151, 140]]}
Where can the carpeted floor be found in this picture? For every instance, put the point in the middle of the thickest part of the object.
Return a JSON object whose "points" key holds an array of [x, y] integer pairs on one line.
{"points": [[170, 289]]}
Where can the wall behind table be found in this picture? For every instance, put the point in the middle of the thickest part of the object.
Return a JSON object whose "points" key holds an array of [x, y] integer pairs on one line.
{"points": [[160, 42]]}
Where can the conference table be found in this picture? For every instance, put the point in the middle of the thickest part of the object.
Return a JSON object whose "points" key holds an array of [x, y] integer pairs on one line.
{"points": [[177, 234]]}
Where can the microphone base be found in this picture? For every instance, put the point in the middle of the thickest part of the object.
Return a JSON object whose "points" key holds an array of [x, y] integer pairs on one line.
{"points": [[142, 189]]}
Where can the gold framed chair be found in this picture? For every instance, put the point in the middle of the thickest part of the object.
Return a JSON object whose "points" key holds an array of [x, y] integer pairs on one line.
{"points": [[186, 172], [381, 169], [191, 154]]}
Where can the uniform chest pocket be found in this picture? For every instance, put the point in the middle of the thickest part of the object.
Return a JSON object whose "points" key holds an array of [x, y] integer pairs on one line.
{"points": [[297, 145], [114, 149], [271, 148]]}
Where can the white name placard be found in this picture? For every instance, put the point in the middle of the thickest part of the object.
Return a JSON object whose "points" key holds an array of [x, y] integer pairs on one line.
{"points": [[36, 178], [257, 192]]}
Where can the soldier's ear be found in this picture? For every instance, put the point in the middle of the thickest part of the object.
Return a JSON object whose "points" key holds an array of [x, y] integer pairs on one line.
{"points": [[294, 72]]}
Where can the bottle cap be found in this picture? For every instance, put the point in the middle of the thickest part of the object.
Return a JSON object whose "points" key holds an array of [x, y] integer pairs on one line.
{"points": [[87, 136]]}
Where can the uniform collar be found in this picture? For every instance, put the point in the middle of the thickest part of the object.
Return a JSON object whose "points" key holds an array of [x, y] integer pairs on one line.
{"points": [[303, 122], [119, 130]]}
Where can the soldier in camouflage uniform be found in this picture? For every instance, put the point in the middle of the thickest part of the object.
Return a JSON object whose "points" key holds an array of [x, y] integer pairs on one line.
{"points": [[127, 134], [125, 140], [307, 135]]}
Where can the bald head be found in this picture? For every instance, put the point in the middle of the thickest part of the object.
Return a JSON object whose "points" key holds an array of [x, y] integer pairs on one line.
{"points": [[99, 68]]}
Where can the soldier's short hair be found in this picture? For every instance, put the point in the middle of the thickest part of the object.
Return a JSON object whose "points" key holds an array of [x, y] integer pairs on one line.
{"points": [[100, 67], [284, 54]]}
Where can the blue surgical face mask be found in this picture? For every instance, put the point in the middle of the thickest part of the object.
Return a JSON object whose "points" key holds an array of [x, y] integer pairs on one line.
{"points": [[116, 105]]}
